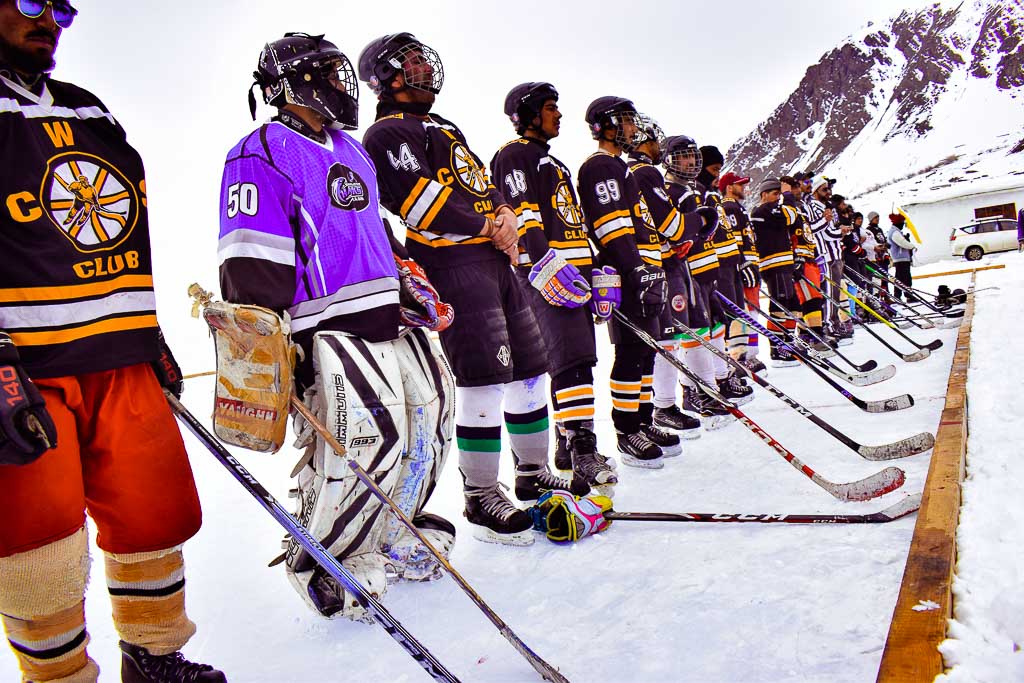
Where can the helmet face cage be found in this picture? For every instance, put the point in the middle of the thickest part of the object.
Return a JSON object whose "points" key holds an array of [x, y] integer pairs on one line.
{"points": [[650, 131], [320, 79], [619, 120], [685, 163], [420, 66]]}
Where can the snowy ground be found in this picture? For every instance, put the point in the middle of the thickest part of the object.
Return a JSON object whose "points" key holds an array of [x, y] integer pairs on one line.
{"points": [[641, 602], [987, 635]]}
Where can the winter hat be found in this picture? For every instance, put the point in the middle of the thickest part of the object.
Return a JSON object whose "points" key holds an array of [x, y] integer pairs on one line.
{"points": [[817, 181], [711, 155], [897, 219], [769, 184], [872, 216]]}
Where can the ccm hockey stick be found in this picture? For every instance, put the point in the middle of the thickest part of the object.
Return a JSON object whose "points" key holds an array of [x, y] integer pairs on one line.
{"points": [[895, 511], [885, 406], [546, 671], [810, 356], [861, 367], [880, 483], [890, 451], [332, 566]]}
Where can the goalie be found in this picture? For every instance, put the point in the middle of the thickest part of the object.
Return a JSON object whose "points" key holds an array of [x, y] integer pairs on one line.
{"points": [[301, 235]]}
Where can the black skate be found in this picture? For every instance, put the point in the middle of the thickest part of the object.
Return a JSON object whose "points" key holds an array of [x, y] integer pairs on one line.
{"points": [[675, 419], [781, 358], [639, 451], [822, 349], [139, 666], [532, 481], [495, 519], [735, 390], [563, 458], [666, 441], [713, 415], [590, 468], [754, 365]]}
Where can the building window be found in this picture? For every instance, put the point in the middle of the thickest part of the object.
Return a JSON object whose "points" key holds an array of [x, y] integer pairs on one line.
{"points": [[998, 211]]}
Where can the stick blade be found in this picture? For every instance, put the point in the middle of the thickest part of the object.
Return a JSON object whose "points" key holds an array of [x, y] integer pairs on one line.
{"points": [[873, 377], [878, 484], [934, 345], [912, 445], [868, 366], [890, 405], [920, 354], [901, 509]]}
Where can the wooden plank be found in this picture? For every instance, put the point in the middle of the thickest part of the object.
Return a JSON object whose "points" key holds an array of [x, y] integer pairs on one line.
{"points": [[960, 272], [911, 650]]}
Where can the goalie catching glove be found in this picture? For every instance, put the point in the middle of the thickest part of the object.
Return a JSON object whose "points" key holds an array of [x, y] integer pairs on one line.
{"points": [[421, 305], [564, 517], [558, 281]]}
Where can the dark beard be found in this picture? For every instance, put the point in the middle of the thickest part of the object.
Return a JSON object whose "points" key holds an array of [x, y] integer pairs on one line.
{"points": [[26, 62]]}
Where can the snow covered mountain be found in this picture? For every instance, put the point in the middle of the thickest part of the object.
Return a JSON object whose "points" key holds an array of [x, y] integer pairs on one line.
{"points": [[935, 94]]}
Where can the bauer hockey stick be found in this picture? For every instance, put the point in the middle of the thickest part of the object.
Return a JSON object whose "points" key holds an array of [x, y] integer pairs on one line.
{"points": [[546, 671], [891, 451], [895, 511], [880, 483], [332, 566], [884, 406]]}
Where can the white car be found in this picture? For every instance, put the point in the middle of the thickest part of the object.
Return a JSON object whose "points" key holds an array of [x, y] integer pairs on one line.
{"points": [[983, 237]]}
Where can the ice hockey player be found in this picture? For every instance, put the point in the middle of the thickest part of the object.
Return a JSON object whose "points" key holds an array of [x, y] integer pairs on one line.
{"points": [[464, 234], [301, 234], [733, 188], [682, 161], [84, 421], [773, 224], [805, 263], [676, 233], [734, 221], [618, 218], [554, 256], [828, 239]]}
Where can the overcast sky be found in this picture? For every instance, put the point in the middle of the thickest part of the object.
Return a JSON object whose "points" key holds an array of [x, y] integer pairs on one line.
{"points": [[175, 74]]}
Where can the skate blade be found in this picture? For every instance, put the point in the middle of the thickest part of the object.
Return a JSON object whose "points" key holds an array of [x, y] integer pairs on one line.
{"points": [[671, 451], [714, 422], [655, 464], [785, 363], [844, 342], [487, 535]]}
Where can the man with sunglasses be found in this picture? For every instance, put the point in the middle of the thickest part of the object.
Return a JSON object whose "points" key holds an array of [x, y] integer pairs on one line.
{"points": [[84, 424]]}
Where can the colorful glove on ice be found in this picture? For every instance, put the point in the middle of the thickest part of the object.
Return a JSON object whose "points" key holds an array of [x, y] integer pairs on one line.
{"points": [[564, 517], [421, 305], [605, 291], [558, 281]]}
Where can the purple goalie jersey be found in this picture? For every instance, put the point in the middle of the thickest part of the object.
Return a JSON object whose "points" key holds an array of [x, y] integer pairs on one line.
{"points": [[301, 232]]}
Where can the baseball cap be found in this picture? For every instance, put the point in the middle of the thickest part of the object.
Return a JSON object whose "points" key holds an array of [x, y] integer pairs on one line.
{"points": [[731, 178]]}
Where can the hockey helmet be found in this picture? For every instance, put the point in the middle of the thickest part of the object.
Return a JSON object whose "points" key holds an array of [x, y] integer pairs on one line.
{"points": [[524, 102], [681, 156], [310, 72], [387, 56], [610, 113], [650, 131]]}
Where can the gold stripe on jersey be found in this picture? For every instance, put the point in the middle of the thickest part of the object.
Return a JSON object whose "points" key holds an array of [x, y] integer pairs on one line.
{"points": [[67, 292], [529, 217], [650, 254], [672, 227], [135, 322], [702, 261], [776, 260], [445, 239], [790, 213], [613, 224], [425, 200]]}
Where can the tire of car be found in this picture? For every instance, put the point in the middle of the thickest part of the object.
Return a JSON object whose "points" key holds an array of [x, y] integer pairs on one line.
{"points": [[973, 253]]}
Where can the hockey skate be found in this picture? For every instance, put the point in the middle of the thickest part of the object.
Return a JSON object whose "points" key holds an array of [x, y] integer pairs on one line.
{"points": [[781, 358], [686, 426], [563, 458], [532, 481], [639, 451], [495, 519], [712, 414], [666, 441], [754, 365], [590, 468], [138, 665], [734, 389]]}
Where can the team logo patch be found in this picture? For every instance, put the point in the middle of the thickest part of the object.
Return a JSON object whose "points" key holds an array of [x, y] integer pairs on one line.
{"points": [[504, 357], [679, 303], [90, 200], [346, 189], [470, 173], [566, 206], [644, 213], [604, 309]]}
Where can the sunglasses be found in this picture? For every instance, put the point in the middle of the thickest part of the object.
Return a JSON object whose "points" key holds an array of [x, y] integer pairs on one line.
{"points": [[63, 13]]}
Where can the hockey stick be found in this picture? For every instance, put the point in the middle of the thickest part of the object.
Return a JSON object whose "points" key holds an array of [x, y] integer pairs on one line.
{"points": [[896, 283], [895, 511], [302, 536], [884, 406], [885, 305], [880, 483], [930, 346], [890, 451], [808, 355], [918, 319], [546, 671], [861, 367]]}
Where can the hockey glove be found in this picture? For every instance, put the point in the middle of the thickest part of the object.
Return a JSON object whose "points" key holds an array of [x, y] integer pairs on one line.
{"points": [[798, 267], [681, 249], [564, 518], [26, 429], [751, 273], [710, 218], [558, 281], [421, 305], [649, 288], [166, 369], [605, 292]]}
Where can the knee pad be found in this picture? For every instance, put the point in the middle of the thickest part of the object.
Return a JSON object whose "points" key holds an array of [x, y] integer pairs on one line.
{"points": [[45, 580]]}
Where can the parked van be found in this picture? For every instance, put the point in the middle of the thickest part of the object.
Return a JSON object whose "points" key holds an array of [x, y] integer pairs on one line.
{"points": [[983, 237]]}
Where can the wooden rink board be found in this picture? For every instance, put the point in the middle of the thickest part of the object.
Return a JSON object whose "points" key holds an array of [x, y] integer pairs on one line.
{"points": [[911, 650]]}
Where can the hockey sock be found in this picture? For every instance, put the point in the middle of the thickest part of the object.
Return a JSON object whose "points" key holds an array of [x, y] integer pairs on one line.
{"points": [[685, 354], [646, 408], [43, 610], [736, 340], [753, 297], [572, 395], [701, 362], [811, 309], [478, 433], [718, 341], [526, 418], [626, 381], [147, 591]]}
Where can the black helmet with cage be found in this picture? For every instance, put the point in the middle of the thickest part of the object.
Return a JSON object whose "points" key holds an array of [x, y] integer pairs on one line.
{"points": [[612, 113], [681, 157], [400, 53]]}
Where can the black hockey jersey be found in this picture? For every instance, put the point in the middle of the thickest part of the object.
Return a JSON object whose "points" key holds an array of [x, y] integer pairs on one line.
{"points": [[539, 188], [703, 258], [772, 224], [431, 180], [76, 284], [617, 214], [729, 240], [803, 242]]}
